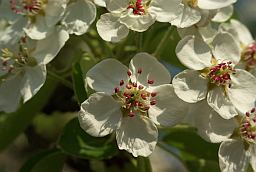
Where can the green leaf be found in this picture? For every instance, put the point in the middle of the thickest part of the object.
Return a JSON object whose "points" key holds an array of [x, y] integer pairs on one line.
{"points": [[143, 164], [11, 125], [78, 82], [46, 161], [75, 141], [190, 144]]}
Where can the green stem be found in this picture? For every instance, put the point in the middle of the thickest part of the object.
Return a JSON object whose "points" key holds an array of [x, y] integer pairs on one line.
{"points": [[139, 41], [164, 40], [60, 79]]}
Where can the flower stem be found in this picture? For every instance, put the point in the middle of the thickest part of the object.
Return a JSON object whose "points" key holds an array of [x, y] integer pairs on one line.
{"points": [[62, 80], [139, 41], [163, 41]]}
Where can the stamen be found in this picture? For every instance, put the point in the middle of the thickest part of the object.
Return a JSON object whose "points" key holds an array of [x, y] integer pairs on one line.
{"points": [[137, 7], [26, 7], [129, 73], [220, 74], [133, 97], [249, 56], [150, 82], [121, 83], [248, 126]]}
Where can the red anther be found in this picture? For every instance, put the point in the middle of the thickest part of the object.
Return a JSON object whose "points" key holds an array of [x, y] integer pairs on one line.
{"points": [[153, 94], [150, 81], [139, 71], [140, 104], [246, 125], [128, 86], [247, 114], [153, 102], [134, 84], [146, 108], [129, 73], [143, 96], [117, 89], [136, 103], [121, 83], [253, 110], [131, 114], [141, 87]]}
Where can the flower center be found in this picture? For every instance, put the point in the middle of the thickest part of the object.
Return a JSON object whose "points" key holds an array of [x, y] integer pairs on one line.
{"points": [[191, 3], [135, 99], [220, 74], [26, 7], [13, 62], [249, 56], [248, 126], [137, 7]]}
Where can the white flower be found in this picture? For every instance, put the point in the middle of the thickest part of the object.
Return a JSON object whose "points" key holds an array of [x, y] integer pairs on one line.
{"points": [[202, 11], [246, 43], [23, 68], [132, 102], [39, 18], [238, 136], [211, 75], [137, 15], [79, 15]]}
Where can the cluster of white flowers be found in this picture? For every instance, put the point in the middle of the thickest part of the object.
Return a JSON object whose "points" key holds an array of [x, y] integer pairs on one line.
{"points": [[216, 94]]}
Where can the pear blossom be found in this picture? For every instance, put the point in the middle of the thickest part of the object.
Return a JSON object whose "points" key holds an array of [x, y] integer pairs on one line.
{"points": [[136, 15], [39, 18], [130, 101], [246, 43], [202, 11], [23, 68], [212, 75], [237, 136]]}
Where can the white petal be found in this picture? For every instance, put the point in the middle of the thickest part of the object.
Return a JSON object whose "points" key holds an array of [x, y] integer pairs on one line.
{"points": [[106, 76], [207, 33], [101, 3], [223, 14], [214, 4], [77, 21], [243, 90], [110, 29], [169, 109], [210, 126], [32, 81], [45, 53], [54, 11], [12, 34], [39, 29], [100, 115], [10, 94], [165, 11], [221, 103], [232, 156], [242, 31], [190, 86], [139, 23], [117, 5], [187, 18], [137, 135], [152, 69], [225, 48], [253, 157], [194, 53]]}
